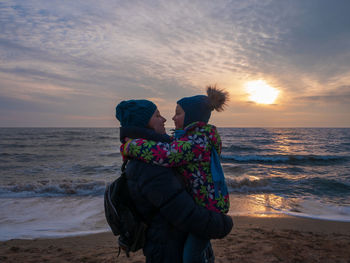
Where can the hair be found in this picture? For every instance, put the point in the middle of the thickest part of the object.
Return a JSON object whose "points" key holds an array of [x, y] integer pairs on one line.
{"points": [[217, 97]]}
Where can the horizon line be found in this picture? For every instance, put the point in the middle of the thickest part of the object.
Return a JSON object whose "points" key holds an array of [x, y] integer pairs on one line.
{"points": [[235, 127]]}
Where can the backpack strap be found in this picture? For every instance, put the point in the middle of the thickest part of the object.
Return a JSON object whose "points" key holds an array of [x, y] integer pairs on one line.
{"points": [[124, 166]]}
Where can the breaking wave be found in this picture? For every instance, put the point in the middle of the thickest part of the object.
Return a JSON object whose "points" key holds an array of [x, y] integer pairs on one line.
{"points": [[48, 189], [292, 159]]}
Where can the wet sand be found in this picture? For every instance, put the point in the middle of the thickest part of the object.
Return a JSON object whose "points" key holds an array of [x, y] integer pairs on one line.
{"points": [[253, 239]]}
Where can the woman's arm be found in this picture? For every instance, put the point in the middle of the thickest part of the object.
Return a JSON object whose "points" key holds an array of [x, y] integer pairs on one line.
{"points": [[162, 188]]}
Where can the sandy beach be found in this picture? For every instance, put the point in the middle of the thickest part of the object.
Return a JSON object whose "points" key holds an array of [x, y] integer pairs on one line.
{"points": [[253, 239]]}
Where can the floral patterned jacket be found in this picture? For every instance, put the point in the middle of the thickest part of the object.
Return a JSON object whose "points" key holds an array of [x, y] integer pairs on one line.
{"points": [[191, 156]]}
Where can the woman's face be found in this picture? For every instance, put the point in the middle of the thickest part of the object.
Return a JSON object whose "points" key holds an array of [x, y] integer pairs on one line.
{"points": [[179, 117], [157, 122]]}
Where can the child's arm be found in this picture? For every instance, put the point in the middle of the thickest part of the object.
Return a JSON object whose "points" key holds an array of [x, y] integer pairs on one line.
{"points": [[188, 149]]}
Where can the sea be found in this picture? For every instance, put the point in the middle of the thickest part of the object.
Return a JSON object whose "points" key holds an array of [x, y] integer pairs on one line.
{"points": [[52, 180]]}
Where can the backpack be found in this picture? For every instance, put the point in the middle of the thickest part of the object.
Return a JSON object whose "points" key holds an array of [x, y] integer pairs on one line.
{"points": [[122, 216]]}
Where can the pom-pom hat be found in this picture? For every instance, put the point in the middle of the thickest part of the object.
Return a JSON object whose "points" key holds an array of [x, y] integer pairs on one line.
{"points": [[199, 107], [196, 108], [135, 113]]}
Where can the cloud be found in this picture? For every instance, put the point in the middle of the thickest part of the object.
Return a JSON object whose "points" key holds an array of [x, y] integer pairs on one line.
{"points": [[341, 95], [7, 103], [316, 40], [88, 53]]}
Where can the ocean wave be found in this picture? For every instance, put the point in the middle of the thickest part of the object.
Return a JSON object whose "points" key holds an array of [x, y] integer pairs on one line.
{"points": [[20, 157], [345, 146], [47, 189], [77, 139], [313, 208], [61, 145], [249, 186], [110, 154], [8, 137], [15, 145], [29, 157], [74, 132], [324, 187], [241, 148], [38, 146], [93, 169], [234, 170], [107, 137], [292, 159], [262, 141], [317, 186], [52, 217]]}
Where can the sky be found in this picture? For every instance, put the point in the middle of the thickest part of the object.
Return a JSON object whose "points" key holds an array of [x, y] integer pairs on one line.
{"points": [[69, 63]]}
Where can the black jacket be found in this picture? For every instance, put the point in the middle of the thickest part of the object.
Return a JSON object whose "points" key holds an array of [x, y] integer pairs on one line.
{"points": [[171, 212]]}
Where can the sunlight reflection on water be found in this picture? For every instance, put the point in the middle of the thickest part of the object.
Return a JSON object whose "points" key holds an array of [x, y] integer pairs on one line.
{"points": [[270, 205]]}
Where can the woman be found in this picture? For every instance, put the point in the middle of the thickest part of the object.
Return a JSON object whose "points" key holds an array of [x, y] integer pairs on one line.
{"points": [[194, 151], [158, 193]]}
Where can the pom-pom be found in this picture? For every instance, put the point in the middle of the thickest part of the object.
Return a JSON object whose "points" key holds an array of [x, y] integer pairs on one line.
{"points": [[217, 97]]}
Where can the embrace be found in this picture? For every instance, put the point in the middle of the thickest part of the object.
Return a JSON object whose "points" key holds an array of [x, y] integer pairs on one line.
{"points": [[176, 182]]}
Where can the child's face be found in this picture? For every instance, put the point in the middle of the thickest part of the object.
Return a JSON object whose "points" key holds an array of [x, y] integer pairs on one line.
{"points": [[179, 117]]}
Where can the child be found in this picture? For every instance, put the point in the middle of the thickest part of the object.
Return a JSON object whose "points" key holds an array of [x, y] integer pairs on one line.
{"points": [[194, 151]]}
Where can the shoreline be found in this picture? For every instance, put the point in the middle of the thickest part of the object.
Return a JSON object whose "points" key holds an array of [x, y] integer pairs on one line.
{"points": [[276, 238]]}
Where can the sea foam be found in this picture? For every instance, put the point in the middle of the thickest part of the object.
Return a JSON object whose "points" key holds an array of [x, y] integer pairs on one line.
{"points": [[28, 218]]}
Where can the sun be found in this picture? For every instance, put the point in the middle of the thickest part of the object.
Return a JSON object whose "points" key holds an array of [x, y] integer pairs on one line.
{"points": [[260, 92]]}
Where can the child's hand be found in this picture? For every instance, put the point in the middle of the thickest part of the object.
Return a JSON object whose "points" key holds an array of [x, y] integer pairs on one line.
{"points": [[121, 149], [124, 148]]}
